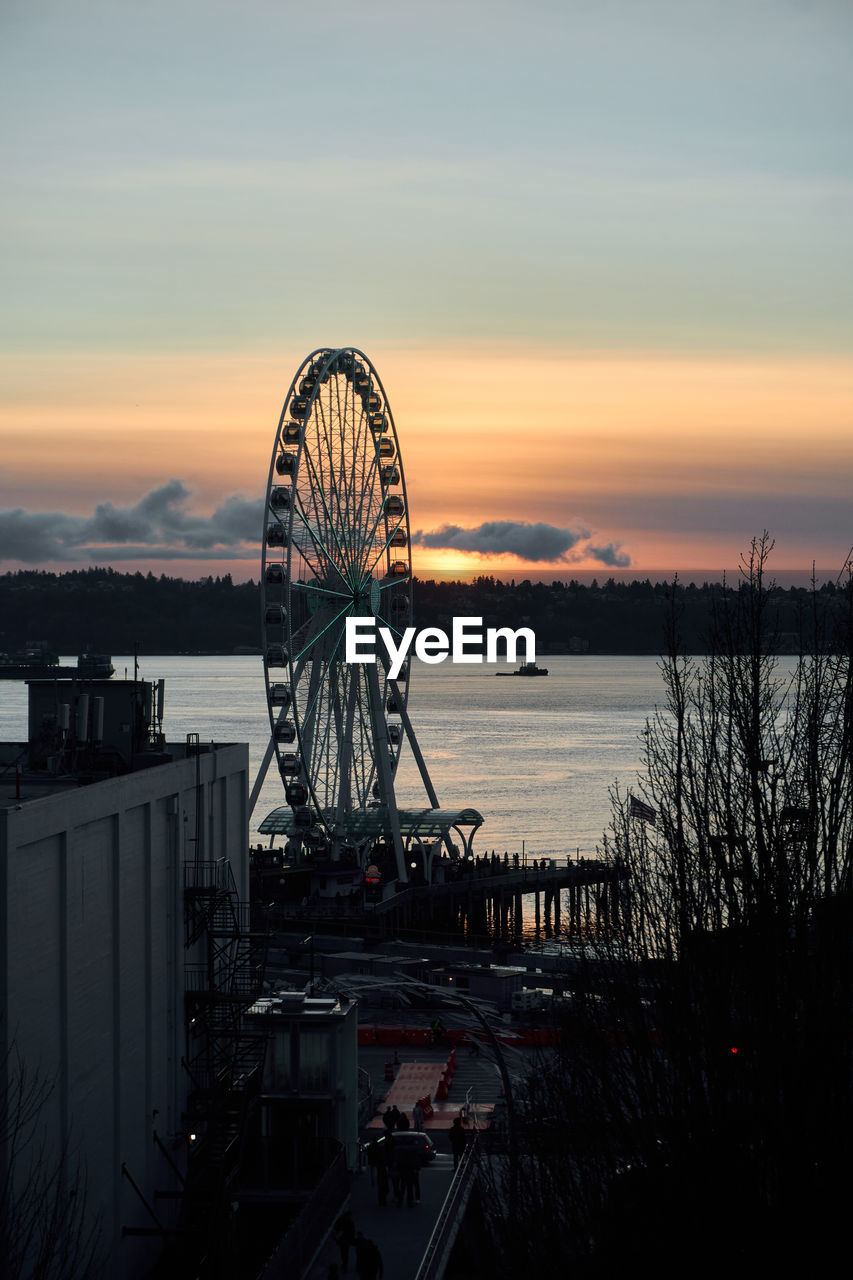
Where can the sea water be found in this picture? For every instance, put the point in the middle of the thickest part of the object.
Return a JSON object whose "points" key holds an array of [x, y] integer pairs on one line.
{"points": [[536, 756]]}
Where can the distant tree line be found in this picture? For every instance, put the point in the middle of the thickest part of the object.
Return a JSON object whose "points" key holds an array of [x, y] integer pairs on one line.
{"points": [[105, 610]]}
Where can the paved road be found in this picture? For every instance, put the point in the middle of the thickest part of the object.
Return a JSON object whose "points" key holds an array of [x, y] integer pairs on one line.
{"points": [[401, 1234]]}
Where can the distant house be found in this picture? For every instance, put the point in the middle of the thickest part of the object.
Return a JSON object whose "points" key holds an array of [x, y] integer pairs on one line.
{"points": [[497, 984]]}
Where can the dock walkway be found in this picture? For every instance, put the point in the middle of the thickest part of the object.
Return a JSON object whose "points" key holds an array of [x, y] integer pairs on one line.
{"points": [[402, 1234]]}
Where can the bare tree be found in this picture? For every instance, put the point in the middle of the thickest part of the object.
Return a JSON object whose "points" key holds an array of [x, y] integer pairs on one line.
{"points": [[702, 1087], [46, 1232]]}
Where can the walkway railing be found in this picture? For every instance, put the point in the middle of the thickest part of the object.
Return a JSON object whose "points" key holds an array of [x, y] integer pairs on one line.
{"points": [[449, 1220], [297, 1250]]}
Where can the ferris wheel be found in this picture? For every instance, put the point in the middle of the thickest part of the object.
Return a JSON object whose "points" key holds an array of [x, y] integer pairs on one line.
{"points": [[336, 546]]}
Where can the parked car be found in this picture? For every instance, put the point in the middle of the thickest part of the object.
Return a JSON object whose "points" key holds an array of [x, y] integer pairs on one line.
{"points": [[410, 1140]]}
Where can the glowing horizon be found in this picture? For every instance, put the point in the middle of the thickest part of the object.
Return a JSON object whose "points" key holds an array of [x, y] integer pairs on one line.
{"points": [[677, 460]]}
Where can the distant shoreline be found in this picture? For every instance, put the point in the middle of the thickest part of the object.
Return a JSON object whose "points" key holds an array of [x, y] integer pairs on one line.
{"points": [[700, 577], [614, 613]]}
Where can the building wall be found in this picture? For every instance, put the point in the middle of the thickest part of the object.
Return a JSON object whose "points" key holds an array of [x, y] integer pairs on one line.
{"points": [[92, 954], [312, 1061]]}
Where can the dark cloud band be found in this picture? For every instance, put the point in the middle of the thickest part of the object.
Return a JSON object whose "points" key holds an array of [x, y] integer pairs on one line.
{"points": [[158, 527], [536, 543]]}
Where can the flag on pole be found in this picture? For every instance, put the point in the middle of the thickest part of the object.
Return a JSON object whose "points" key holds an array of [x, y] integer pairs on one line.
{"points": [[644, 811]]}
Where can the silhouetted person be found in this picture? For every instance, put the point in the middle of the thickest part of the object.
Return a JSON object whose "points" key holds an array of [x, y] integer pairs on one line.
{"points": [[368, 1259], [458, 1139], [345, 1237], [408, 1162]]}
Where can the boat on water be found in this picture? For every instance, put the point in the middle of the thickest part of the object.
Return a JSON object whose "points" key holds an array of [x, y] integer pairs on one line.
{"points": [[526, 669]]}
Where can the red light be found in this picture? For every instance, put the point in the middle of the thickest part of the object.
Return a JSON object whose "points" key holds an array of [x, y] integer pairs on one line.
{"points": [[733, 1049]]}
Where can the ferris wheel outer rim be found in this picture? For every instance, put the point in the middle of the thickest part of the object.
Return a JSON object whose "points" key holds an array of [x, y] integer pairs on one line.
{"points": [[328, 356]]}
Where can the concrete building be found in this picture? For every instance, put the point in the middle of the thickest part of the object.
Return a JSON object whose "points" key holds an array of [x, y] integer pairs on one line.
{"points": [[96, 943], [310, 1069], [496, 983]]}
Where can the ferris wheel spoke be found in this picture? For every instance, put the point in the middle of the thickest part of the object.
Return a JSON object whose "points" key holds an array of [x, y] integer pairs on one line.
{"points": [[319, 546], [323, 717], [306, 740], [367, 746], [317, 482], [369, 493], [346, 609], [354, 490], [296, 636], [310, 709], [323, 591], [357, 421], [387, 542], [338, 790], [368, 544], [334, 484], [370, 478], [318, 488], [346, 772], [358, 483], [351, 432]]}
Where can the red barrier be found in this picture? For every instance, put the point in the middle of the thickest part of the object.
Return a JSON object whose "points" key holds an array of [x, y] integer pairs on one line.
{"points": [[367, 1035], [417, 1035], [546, 1035], [426, 1107]]}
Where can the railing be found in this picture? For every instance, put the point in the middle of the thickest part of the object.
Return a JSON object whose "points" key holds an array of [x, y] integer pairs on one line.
{"points": [[449, 1219], [297, 1249], [208, 877]]}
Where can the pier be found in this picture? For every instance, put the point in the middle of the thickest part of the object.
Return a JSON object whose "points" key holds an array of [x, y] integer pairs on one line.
{"points": [[482, 897], [485, 897]]}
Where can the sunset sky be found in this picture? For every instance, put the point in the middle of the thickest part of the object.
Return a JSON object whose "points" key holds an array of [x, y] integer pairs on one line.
{"points": [[598, 250]]}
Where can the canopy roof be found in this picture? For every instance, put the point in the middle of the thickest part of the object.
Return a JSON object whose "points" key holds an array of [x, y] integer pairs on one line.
{"points": [[370, 824]]}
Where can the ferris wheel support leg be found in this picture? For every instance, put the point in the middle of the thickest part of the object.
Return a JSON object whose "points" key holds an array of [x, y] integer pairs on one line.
{"points": [[383, 767], [413, 743], [345, 738], [419, 760], [265, 763], [262, 773]]}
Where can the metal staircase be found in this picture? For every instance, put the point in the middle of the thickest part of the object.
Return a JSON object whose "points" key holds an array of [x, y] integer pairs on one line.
{"points": [[224, 1062]]}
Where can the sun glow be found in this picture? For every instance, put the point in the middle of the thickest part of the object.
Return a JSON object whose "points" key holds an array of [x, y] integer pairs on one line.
{"points": [[676, 459]]}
